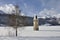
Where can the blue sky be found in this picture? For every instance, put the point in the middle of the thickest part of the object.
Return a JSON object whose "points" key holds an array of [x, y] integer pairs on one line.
{"points": [[31, 7]]}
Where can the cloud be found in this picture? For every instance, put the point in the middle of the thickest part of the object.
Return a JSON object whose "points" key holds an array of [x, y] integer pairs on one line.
{"points": [[31, 7], [22, 14], [8, 8], [48, 13], [29, 10], [50, 8], [50, 4], [53, 3]]}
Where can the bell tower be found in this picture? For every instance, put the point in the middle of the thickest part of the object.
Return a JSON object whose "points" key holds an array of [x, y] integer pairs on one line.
{"points": [[35, 22]]}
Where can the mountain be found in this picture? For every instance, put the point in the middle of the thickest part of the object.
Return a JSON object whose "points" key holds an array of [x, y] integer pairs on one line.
{"points": [[8, 8], [1, 12], [49, 13]]}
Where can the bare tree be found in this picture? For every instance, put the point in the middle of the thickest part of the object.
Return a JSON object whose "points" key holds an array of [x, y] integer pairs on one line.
{"points": [[14, 18]]}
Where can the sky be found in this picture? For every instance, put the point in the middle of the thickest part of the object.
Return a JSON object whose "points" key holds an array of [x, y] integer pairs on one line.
{"points": [[41, 8]]}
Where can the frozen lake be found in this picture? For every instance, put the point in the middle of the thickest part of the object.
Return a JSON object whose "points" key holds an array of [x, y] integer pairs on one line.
{"points": [[44, 31], [27, 33]]}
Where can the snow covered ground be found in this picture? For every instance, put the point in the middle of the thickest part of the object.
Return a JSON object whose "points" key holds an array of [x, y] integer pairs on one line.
{"points": [[27, 33], [44, 31], [7, 31]]}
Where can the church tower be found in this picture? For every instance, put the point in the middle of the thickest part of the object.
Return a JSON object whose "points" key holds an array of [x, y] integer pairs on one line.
{"points": [[35, 22]]}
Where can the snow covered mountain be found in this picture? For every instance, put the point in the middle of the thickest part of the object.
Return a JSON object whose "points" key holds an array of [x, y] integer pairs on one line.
{"points": [[8, 8], [49, 13], [1, 12]]}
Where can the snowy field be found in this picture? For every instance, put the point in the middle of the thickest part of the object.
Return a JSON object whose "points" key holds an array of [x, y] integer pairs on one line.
{"points": [[44, 31], [27, 33], [7, 31]]}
